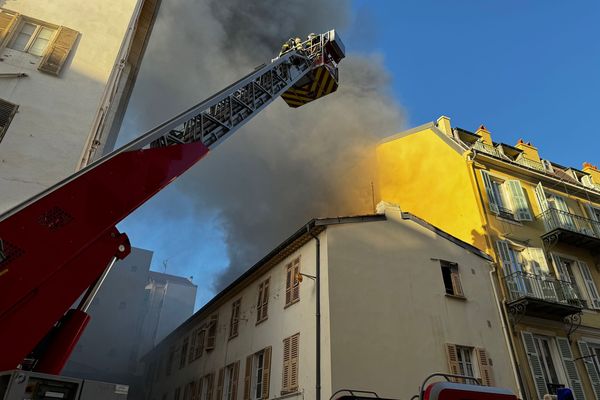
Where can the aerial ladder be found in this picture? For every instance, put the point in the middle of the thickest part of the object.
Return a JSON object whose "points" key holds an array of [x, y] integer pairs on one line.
{"points": [[60, 244]]}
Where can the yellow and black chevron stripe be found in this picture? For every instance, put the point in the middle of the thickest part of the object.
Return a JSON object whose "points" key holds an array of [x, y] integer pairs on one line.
{"points": [[323, 84]]}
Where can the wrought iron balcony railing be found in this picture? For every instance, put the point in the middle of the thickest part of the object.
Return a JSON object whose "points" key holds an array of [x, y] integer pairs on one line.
{"points": [[557, 219], [530, 163], [524, 285], [486, 148]]}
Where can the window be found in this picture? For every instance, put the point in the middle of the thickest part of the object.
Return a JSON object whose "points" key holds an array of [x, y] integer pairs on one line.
{"points": [[291, 348], [234, 323], [506, 198], [189, 391], [170, 360], [228, 378], [292, 284], [212, 332], [205, 387], [177, 394], [262, 304], [542, 345], [257, 374], [32, 38], [7, 112], [197, 346], [577, 274], [590, 355], [470, 361], [451, 278], [183, 353]]}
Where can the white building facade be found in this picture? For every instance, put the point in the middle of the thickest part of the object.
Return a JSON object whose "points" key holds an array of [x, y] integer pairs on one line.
{"points": [[66, 71], [399, 299]]}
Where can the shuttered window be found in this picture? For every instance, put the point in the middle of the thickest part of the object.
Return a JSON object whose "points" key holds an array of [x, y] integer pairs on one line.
{"points": [[485, 367], [489, 190], [7, 112], [461, 362], [205, 387], [451, 278], [197, 346], [257, 375], [535, 364], [564, 348], [32, 38], [212, 332], [262, 303], [189, 391], [519, 201], [234, 322], [590, 285], [177, 394], [292, 283], [588, 356], [291, 349], [227, 385], [58, 50], [183, 354], [8, 21]]}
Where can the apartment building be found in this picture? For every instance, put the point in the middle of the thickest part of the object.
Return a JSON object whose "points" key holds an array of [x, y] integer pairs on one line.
{"points": [[539, 220], [67, 69], [373, 302]]}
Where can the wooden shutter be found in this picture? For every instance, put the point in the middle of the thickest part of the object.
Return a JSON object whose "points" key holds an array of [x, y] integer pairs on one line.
{"points": [[248, 377], [586, 355], [492, 201], [289, 281], [452, 357], [590, 284], [285, 374], [296, 288], [505, 258], [294, 360], [519, 201], [534, 364], [485, 369], [199, 388], [541, 197], [8, 21], [235, 377], [561, 269], [265, 300], [564, 349], [192, 351], [58, 51], [455, 277], [200, 343], [220, 384], [539, 263], [266, 378], [209, 387], [212, 332]]}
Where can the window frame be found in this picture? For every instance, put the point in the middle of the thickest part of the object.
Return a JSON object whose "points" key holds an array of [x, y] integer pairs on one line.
{"points": [[228, 384], [234, 322], [39, 25], [451, 279], [257, 375], [292, 283], [463, 353], [262, 303]]}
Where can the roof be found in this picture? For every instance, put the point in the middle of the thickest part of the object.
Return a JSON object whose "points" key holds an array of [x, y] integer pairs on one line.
{"points": [[298, 239], [162, 277]]}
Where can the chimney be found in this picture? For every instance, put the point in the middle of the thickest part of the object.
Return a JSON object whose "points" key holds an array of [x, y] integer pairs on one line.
{"points": [[443, 124], [529, 151], [485, 135], [592, 171]]}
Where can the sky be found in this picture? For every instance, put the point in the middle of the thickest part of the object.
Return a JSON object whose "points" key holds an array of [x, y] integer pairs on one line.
{"points": [[526, 70]]}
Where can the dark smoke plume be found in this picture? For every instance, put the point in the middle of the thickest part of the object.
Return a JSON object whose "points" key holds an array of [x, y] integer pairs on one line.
{"points": [[286, 166]]}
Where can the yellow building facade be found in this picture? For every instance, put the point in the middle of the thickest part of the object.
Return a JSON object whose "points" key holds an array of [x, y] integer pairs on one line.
{"points": [[539, 220]]}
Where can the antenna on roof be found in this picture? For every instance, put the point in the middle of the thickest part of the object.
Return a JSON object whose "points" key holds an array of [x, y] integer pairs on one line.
{"points": [[165, 265]]}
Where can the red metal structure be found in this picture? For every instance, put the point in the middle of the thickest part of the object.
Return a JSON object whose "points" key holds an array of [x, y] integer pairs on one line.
{"points": [[63, 241]]}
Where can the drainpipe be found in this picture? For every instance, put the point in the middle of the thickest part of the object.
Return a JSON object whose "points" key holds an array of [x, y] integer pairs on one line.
{"points": [[317, 314]]}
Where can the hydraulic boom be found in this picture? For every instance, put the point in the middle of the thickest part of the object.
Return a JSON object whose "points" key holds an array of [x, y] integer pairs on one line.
{"points": [[61, 243]]}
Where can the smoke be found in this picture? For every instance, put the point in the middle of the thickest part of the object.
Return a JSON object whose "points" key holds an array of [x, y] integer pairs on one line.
{"points": [[287, 165]]}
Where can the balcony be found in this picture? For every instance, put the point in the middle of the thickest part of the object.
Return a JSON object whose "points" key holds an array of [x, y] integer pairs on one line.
{"points": [[486, 148], [530, 163], [565, 227], [541, 296]]}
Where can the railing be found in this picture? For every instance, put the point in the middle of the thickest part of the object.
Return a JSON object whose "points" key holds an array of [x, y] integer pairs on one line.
{"points": [[523, 284], [506, 213], [530, 163], [486, 148], [554, 219]]}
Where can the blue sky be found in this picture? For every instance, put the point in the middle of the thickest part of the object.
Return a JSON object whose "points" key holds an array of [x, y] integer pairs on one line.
{"points": [[526, 70]]}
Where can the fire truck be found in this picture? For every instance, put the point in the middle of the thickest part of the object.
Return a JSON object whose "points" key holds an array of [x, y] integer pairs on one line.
{"points": [[60, 245]]}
